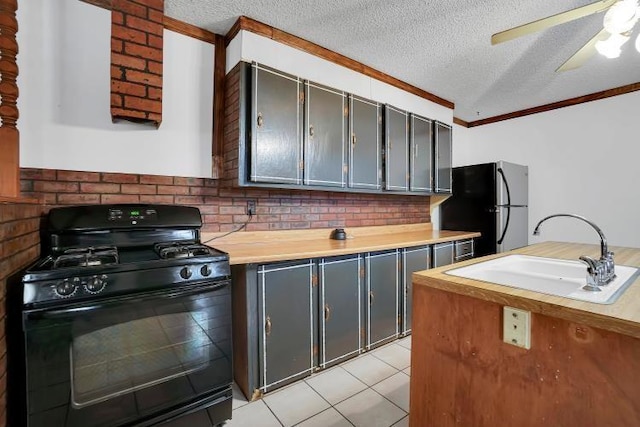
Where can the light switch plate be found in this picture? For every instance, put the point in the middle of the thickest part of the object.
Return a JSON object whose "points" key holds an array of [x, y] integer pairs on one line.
{"points": [[516, 327]]}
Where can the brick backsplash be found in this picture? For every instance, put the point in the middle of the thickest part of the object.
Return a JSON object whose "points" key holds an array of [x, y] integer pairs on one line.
{"points": [[223, 208], [19, 246]]}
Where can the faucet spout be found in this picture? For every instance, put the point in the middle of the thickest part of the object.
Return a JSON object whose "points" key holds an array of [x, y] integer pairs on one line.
{"points": [[600, 272], [604, 249]]}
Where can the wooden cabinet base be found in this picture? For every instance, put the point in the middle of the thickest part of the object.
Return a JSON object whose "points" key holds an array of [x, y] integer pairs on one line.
{"points": [[462, 374]]}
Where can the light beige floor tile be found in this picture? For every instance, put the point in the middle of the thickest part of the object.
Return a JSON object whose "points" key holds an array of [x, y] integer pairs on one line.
{"points": [[368, 369], [295, 403], [328, 418], [405, 342], [254, 414], [238, 398], [369, 409], [396, 389], [402, 423], [407, 371], [336, 385], [395, 355]]}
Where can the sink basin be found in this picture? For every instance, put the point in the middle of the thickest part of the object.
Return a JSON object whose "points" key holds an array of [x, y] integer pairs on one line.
{"points": [[563, 278]]}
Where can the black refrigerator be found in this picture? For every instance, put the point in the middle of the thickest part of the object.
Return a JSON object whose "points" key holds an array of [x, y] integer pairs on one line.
{"points": [[491, 198]]}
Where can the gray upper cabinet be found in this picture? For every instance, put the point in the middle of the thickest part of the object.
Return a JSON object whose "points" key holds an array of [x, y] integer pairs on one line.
{"points": [[413, 259], [421, 154], [340, 316], [443, 158], [276, 121], [325, 154], [382, 293], [365, 124], [286, 337], [396, 149]]}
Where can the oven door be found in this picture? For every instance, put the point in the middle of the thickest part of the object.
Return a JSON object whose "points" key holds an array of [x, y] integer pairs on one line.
{"points": [[128, 359]]}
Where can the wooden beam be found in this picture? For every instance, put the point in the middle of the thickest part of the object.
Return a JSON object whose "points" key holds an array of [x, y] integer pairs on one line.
{"points": [[460, 122], [560, 104], [256, 27], [219, 75]]}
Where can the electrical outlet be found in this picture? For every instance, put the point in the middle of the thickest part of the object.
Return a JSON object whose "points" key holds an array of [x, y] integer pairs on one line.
{"points": [[516, 328], [251, 207]]}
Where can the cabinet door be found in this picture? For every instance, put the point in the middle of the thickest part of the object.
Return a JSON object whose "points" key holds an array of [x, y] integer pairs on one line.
{"points": [[421, 149], [365, 168], [324, 143], [443, 158], [340, 314], [442, 254], [276, 145], [287, 336], [396, 149], [382, 291], [413, 259]]}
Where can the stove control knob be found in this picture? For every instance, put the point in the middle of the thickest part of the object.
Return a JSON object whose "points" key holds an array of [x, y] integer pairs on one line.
{"points": [[95, 284], [185, 273], [205, 270], [66, 288]]}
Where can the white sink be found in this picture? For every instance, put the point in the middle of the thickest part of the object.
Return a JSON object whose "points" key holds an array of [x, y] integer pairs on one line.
{"points": [[563, 278]]}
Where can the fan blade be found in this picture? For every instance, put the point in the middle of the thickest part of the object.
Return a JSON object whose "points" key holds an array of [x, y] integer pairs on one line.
{"points": [[584, 53], [551, 21]]}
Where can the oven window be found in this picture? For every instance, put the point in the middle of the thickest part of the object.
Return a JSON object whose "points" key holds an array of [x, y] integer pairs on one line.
{"points": [[130, 356]]}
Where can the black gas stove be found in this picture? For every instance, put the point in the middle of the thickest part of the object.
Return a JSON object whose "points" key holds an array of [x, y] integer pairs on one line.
{"points": [[126, 320]]}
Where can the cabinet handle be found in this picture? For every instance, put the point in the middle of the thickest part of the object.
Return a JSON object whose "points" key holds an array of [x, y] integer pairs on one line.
{"points": [[327, 312], [260, 120], [311, 131], [371, 298], [267, 326], [354, 139]]}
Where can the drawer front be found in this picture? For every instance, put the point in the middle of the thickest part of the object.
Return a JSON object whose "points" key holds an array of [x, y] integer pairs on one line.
{"points": [[464, 249]]}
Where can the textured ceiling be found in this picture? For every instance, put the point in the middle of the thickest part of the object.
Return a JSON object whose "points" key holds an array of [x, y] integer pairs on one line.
{"points": [[442, 46]]}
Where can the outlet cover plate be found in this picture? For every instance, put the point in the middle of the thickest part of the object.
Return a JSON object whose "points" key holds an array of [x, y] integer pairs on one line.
{"points": [[516, 327]]}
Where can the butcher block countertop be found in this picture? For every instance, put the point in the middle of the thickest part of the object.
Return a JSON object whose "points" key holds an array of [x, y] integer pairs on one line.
{"points": [[623, 316], [269, 246]]}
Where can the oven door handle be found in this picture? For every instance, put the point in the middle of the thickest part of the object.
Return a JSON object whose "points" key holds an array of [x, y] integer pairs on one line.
{"points": [[44, 313]]}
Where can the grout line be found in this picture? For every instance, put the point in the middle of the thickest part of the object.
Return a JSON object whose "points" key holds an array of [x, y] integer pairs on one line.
{"points": [[270, 410], [385, 398]]}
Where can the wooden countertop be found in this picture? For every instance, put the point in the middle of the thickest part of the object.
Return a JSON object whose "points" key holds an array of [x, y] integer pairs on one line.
{"points": [[623, 316], [270, 246]]}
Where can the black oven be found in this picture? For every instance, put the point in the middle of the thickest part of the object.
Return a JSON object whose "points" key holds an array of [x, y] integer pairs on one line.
{"points": [[152, 344]]}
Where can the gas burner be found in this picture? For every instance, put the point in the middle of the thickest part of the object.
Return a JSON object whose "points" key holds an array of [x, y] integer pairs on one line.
{"points": [[176, 250], [87, 257]]}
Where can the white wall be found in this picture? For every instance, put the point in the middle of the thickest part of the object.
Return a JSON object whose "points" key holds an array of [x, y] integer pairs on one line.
{"points": [[582, 159], [249, 47], [64, 102]]}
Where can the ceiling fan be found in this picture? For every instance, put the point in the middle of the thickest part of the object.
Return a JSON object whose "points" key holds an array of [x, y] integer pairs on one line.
{"points": [[618, 23]]}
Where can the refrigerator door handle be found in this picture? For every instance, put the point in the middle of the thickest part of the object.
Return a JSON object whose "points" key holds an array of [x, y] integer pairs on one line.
{"points": [[506, 225]]}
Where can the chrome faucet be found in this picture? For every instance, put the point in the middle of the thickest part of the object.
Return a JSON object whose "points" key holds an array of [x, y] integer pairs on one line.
{"points": [[600, 272]]}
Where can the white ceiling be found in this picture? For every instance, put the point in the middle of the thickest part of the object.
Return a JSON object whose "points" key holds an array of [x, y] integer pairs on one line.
{"points": [[442, 46]]}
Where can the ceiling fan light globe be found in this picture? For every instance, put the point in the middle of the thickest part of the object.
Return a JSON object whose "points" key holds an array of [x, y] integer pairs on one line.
{"points": [[610, 47], [621, 17]]}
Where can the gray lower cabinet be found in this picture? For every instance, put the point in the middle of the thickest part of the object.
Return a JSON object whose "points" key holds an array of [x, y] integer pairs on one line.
{"points": [[285, 306], [413, 259], [383, 283], [365, 123], [325, 154], [443, 158], [276, 121], [340, 310], [443, 254], [396, 149], [421, 154]]}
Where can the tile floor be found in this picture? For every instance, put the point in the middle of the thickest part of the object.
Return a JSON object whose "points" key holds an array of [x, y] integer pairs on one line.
{"points": [[371, 390]]}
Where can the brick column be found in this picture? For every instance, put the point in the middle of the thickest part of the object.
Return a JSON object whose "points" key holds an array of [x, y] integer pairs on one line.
{"points": [[136, 60]]}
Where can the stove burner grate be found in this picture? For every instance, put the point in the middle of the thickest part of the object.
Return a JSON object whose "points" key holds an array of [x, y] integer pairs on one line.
{"points": [[87, 257], [178, 250]]}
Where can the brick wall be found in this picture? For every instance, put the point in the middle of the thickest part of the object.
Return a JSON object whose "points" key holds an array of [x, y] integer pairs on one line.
{"points": [[223, 209], [19, 246], [136, 60]]}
